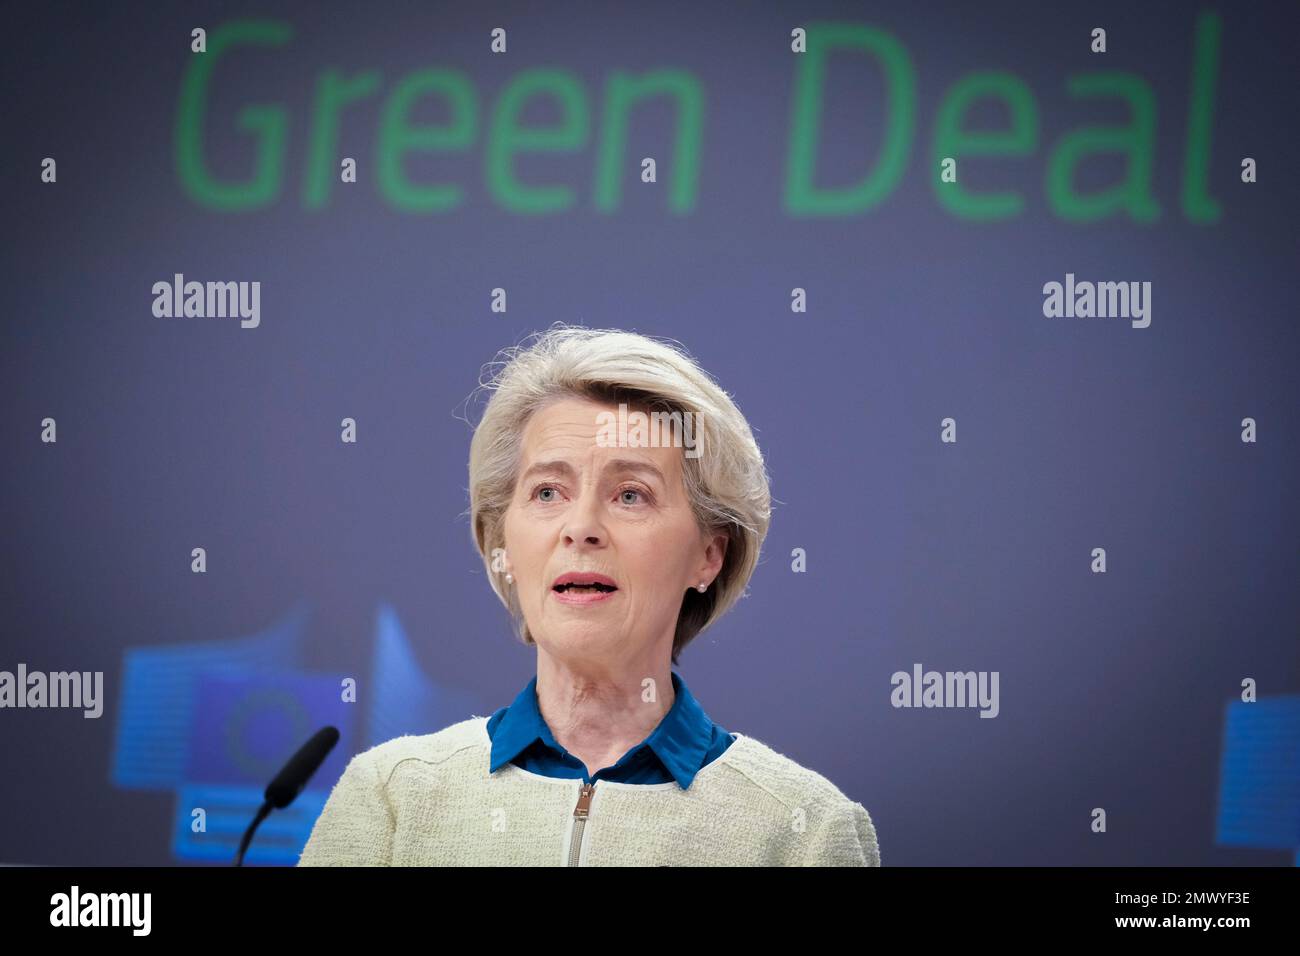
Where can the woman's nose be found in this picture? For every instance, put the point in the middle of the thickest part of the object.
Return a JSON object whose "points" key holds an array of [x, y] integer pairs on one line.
{"points": [[583, 524]]}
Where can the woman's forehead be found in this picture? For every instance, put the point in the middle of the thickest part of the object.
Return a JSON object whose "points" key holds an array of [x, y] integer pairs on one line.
{"points": [[579, 435]]}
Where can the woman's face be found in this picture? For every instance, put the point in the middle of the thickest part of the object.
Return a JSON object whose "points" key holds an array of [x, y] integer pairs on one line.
{"points": [[619, 512]]}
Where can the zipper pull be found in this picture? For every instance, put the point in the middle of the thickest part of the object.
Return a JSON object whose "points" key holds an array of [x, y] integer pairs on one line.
{"points": [[584, 801]]}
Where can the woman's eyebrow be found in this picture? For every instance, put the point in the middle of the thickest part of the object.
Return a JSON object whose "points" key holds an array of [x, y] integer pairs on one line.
{"points": [[552, 467], [562, 467], [631, 464]]}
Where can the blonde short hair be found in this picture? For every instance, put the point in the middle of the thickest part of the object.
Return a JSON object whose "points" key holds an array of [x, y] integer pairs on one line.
{"points": [[727, 485]]}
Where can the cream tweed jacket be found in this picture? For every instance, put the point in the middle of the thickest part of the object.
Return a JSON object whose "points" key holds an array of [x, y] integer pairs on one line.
{"points": [[429, 800]]}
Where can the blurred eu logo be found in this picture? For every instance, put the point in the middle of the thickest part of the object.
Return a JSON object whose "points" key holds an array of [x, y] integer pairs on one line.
{"points": [[1259, 777], [215, 721]]}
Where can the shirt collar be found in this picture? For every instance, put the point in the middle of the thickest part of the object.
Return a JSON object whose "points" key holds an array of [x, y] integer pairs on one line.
{"points": [[681, 740]]}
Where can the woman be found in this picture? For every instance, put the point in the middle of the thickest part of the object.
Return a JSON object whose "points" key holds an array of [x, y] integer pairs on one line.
{"points": [[618, 501]]}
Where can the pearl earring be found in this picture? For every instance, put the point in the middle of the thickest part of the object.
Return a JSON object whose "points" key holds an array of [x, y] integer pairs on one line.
{"points": [[510, 578], [701, 588]]}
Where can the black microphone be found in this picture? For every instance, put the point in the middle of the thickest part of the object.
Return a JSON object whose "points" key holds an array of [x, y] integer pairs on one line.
{"points": [[288, 783]]}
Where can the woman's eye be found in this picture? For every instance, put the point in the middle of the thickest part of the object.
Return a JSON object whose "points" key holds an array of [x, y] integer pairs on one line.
{"points": [[553, 492]]}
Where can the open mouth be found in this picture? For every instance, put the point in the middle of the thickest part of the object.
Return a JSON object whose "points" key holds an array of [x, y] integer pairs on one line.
{"points": [[581, 587]]}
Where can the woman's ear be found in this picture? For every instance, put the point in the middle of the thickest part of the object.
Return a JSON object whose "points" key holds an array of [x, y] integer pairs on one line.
{"points": [[715, 553]]}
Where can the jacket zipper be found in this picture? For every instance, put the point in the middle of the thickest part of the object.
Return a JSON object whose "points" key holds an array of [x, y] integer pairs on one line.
{"points": [[580, 814]]}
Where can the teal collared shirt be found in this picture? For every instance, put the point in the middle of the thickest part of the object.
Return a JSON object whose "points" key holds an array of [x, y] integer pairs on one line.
{"points": [[685, 740]]}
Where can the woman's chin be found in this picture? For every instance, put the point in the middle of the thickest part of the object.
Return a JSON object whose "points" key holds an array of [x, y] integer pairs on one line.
{"points": [[582, 629]]}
